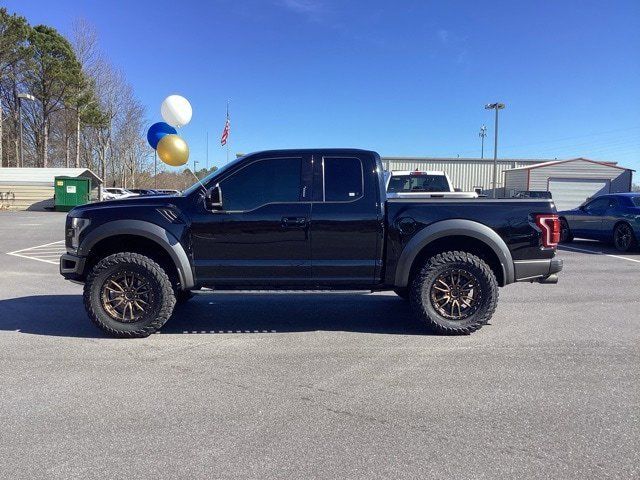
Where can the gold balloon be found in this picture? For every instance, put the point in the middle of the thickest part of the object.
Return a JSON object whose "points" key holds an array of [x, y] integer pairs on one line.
{"points": [[173, 150]]}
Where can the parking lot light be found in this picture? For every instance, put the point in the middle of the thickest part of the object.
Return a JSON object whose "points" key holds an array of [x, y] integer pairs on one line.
{"points": [[495, 106], [22, 96]]}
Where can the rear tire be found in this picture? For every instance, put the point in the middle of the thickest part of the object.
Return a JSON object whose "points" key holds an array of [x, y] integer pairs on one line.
{"points": [[454, 293], [128, 295], [623, 237], [565, 232], [403, 293]]}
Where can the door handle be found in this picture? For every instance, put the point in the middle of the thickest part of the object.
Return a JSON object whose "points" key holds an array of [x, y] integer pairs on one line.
{"points": [[294, 222]]}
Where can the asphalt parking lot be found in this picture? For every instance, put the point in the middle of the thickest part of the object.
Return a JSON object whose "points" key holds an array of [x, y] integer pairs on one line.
{"points": [[302, 385]]}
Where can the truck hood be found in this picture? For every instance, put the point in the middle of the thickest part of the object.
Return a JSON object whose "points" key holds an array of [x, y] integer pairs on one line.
{"points": [[137, 201]]}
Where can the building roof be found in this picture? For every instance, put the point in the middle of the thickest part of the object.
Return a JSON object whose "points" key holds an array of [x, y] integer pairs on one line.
{"points": [[557, 162], [43, 176]]}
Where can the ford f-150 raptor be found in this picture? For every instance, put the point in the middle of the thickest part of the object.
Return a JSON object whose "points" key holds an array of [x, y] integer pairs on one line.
{"points": [[305, 219]]}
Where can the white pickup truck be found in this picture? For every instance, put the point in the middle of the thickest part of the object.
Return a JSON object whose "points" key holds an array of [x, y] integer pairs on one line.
{"points": [[422, 184]]}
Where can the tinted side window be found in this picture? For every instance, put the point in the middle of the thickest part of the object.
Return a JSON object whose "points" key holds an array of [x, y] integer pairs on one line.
{"points": [[342, 179], [598, 205], [262, 182]]}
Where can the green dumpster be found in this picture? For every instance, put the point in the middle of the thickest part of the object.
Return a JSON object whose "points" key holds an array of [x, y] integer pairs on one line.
{"points": [[71, 191]]}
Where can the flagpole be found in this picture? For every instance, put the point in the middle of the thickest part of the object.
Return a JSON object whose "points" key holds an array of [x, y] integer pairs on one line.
{"points": [[227, 142]]}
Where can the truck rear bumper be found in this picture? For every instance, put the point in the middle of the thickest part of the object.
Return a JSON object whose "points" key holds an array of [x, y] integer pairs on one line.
{"points": [[72, 266], [542, 271]]}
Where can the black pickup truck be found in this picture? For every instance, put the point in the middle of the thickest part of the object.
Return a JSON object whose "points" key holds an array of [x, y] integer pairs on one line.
{"points": [[305, 219]]}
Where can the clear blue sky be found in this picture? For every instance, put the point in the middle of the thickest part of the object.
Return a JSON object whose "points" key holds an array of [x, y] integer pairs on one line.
{"points": [[403, 78]]}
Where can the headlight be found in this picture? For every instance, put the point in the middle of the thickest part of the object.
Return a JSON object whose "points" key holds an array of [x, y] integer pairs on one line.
{"points": [[74, 231]]}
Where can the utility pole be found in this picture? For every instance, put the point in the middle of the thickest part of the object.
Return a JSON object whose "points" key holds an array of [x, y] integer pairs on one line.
{"points": [[495, 106], [482, 134], [22, 96]]}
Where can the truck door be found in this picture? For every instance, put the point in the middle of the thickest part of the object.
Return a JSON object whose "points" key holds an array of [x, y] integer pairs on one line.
{"points": [[261, 235], [346, 223]]}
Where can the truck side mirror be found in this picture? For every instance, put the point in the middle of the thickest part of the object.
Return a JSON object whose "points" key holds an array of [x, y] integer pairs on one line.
{"points": [[213, 198]]}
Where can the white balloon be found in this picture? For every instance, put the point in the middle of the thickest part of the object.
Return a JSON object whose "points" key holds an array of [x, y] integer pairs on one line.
{"points": [[176, 110]]}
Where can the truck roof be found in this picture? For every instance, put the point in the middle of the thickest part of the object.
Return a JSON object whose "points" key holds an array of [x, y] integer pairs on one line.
{"points": [[334, 151]]}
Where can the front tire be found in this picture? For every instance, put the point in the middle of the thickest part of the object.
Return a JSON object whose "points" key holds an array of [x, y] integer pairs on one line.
{"points": [[128, 295], [454, 293], [624, 238]]}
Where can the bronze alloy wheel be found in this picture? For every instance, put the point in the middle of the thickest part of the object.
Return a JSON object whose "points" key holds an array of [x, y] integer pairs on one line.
{"points": [[126, 296], [455, 294], [623, 237]]}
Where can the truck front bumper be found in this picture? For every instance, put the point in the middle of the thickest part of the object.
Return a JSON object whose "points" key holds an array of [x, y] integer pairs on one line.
{"points": [[72, 267], [542, 271]]}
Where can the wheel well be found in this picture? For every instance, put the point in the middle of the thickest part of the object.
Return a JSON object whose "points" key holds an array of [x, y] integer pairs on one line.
{"points": [[459, 243], [136, 244], [620, 222]]}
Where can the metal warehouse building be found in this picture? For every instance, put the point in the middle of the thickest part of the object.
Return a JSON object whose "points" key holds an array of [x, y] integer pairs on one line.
{"points": [[570, 182], [465, 173]]}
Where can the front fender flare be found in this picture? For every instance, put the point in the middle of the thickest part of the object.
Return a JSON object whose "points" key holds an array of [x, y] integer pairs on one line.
{"points": [[151, 231], [455, 227]]}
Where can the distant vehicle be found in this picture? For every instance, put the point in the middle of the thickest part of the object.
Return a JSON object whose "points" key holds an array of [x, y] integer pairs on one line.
{"points": [[113, 193], [533, 194], [609, 218], [144, 191], [423, 184], [167, 191]]}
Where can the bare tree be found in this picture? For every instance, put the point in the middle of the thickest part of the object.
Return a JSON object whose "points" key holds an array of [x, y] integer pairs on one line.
{"points": [[85, 45]]}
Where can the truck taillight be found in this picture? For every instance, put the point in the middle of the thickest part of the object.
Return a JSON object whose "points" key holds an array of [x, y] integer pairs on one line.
{"points": [[550, 227]]}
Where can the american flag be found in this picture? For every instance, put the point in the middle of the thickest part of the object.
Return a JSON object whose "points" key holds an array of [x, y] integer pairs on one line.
{"points": [[227, 129]]}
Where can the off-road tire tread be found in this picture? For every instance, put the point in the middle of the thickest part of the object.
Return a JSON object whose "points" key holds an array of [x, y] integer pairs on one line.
{"points": [[154, 269], [432, 264]]}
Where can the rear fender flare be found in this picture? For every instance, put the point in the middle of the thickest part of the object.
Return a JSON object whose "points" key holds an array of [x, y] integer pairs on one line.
{"points": [[455, 227], [151, 231]]}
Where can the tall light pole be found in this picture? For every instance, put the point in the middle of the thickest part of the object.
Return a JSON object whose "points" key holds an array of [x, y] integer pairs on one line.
{"points": [[495, 106], [482, 134], [21, 96]]}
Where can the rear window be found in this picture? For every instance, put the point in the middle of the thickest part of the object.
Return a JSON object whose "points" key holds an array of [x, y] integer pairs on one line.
{"points": [[418, 183], [343, 179]]}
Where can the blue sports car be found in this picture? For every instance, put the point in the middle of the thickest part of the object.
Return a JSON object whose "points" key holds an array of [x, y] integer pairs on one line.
{"points": [[608, 218]]}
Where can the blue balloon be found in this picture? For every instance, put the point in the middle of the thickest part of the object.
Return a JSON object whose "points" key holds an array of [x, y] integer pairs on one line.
{"points": [[157, 131]]}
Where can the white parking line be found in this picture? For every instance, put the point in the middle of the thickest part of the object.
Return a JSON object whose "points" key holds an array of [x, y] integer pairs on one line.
{"points": [[599, 253], [47, 253]]}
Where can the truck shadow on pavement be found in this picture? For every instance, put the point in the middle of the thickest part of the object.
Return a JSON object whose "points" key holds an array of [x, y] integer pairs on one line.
{"points": [[223, 313]]}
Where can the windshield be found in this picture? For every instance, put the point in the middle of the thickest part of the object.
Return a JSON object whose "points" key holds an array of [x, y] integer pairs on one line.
{"points": [[418, 183], [206, 180]]}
